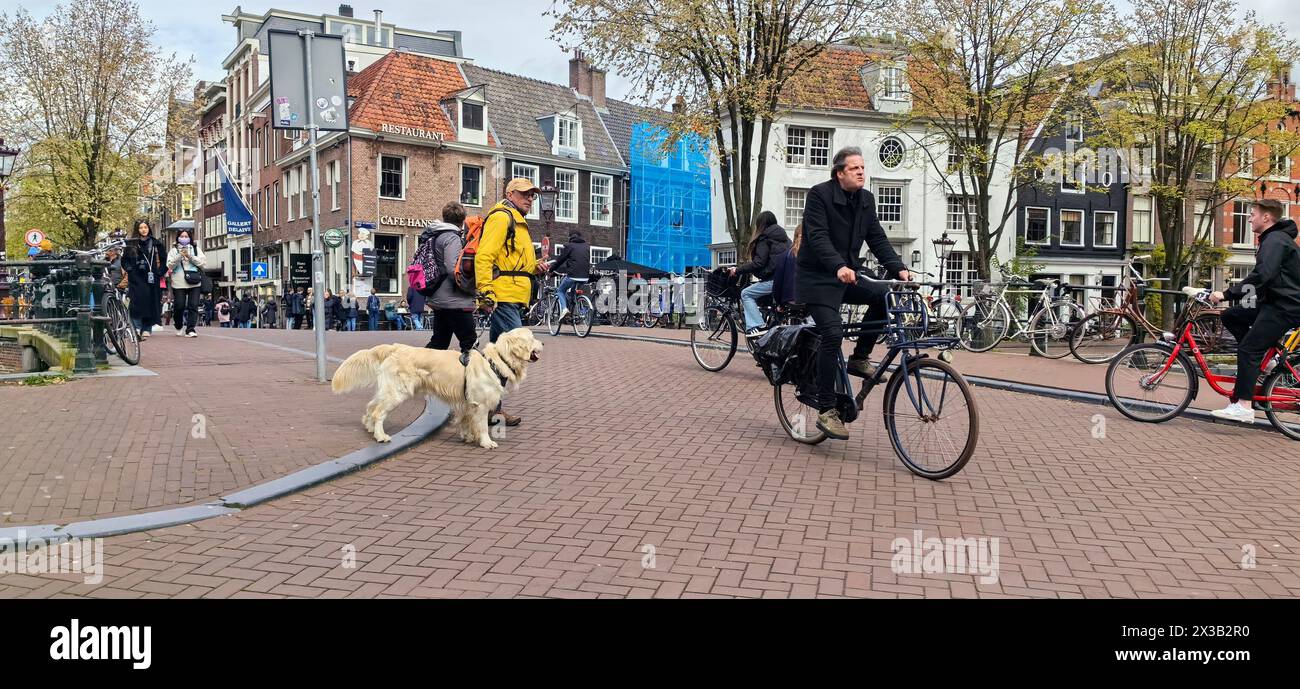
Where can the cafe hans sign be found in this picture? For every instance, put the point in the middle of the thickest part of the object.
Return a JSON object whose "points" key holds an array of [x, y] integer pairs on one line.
{"points": [[413, 132]]}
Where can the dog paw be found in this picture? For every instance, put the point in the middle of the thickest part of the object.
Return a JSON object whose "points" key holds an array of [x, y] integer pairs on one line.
{"points": [[487, 444], [383, 437]]}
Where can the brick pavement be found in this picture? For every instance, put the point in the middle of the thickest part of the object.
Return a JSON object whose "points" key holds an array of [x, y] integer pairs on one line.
{"points": [[107, 446], [626, 444]]}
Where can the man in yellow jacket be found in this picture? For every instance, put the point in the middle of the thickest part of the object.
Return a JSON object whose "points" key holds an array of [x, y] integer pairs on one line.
{"points": [[505, 262]]}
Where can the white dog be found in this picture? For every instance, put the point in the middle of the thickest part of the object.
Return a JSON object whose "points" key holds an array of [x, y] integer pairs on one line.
{"points": [[472, 391]]}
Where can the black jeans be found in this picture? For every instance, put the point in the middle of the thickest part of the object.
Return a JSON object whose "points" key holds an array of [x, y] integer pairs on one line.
{"points": [[831, 330], [449, 321], [1256, 331], [185, 307]]}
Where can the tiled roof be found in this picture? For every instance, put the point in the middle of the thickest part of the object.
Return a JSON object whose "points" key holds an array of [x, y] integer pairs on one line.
{"points": [[404, 89], [515, 103], [832, 80], [622, 116]]}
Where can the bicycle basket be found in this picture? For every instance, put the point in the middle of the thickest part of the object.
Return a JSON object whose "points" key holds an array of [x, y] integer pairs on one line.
{"points": [[908, 318], [720, 285]]}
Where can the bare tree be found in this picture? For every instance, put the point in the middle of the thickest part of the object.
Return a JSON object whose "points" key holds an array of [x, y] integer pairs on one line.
{"points": [[730, 59], [984, 75], [85, 93]]}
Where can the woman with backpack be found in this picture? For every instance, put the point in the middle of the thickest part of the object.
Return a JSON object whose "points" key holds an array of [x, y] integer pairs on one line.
{"points": [[769, 244], [453, 309]]}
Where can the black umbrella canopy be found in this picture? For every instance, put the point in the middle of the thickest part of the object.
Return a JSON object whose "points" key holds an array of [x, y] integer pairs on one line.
{"points": [[615, 265]]}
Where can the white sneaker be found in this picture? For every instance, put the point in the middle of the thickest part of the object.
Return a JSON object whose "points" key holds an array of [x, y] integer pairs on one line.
{"points": [[191, 334], [563, 312], [1235, 412], [180, 333]]}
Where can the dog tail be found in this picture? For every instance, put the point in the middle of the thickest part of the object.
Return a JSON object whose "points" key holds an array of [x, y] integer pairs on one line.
{"points": [[361, 369]]}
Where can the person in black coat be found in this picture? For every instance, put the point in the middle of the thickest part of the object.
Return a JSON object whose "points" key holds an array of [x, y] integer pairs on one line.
{"points": [[295, 309], [765, 250], [838, 217], [1270, 303], [145, 263], [330, 310], [244, 312], [574, 262]]}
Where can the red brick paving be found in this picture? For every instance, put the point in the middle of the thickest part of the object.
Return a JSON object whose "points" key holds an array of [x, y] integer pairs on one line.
{"points": [[627, 444], [107, 446]]}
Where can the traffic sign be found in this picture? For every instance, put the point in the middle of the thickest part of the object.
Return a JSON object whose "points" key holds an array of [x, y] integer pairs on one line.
{"points": [[241, 276], [260, 271], [34, 237]]}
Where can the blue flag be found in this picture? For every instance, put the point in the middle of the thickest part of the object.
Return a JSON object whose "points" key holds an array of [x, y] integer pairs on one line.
{"points": [[239, 220]]}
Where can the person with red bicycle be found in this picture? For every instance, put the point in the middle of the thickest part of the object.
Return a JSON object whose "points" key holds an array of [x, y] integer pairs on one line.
{"points": [[1270, 303]]}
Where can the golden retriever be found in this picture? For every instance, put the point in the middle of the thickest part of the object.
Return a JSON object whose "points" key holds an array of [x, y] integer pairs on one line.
{"points": [[401, 372]]}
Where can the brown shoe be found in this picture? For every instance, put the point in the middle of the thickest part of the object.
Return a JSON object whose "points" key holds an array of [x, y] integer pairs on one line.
{"points": [[828, 422], [511, 420], [860, 367]]}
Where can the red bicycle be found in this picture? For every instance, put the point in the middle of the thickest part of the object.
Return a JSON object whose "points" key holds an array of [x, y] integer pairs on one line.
{"points": [[1155, 381]]}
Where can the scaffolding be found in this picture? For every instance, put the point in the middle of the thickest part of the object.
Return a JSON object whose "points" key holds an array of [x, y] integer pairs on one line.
{"points": [[671, 225]]}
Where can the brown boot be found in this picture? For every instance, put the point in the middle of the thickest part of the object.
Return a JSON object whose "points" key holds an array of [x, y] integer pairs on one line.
{"points": [[859, 367], [829, 423]]}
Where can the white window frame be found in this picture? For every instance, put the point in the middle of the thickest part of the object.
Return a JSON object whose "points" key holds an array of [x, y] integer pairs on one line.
{"points": [[535, 177], [902, 202], [1273, 172], [575, 135], [726, 257], [1246, 154], [303, 175], [1047, 240], [1074, 120], [1077, 174], [1249, 243], [591, 200], [600, 253], [1083, 217], [830, 145], [791, 157], [880, 153], [334, 185], [1196, 216], [275, 205], [460, 183], [1149, 213], [803, 202], [576, 179], [379, 172], [893, 82], [1196, 175], [1114, 229], [956, 222]]}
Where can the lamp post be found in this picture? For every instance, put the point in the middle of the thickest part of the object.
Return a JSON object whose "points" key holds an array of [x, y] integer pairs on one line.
{"points": [[942, 247], [7, 157]]}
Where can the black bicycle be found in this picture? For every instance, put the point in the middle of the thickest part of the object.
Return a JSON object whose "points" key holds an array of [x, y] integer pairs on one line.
{"points": [[929, 411], [716, 336]]}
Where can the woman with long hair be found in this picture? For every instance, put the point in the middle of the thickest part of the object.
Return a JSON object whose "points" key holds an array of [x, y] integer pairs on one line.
{"points": [[783, 278], [186, 262], [144, 264], [765, 249]]}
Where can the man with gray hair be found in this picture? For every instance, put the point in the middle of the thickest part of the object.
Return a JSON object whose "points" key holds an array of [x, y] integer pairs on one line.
{"points": [[838, 217]]}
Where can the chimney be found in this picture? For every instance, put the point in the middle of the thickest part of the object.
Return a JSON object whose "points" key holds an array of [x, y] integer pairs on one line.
{"points": [[345, 10], [580, 74], [379, 27], [598, 88], [679, 105]]}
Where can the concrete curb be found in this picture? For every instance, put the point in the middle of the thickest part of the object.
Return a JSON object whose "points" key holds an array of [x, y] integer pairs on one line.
{"points": [[434, 416], [1261, 423]]}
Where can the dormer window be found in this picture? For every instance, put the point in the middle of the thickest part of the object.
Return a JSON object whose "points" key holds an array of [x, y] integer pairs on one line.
{"points": [[892, 83], [471, 116], [566, 134]]}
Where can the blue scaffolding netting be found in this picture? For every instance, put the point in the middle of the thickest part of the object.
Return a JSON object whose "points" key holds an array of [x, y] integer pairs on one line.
{"points": [[671, 225]]}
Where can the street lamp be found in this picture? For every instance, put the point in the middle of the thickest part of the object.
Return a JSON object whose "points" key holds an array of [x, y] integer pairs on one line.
{"points": [[942, 247], [7, 157]]}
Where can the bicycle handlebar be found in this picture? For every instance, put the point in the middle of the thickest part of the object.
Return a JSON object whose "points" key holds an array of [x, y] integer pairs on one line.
{"points": [[866, 277]]}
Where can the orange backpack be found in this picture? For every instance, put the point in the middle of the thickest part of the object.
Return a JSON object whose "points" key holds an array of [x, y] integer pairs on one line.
{"points": [[464, 274]]}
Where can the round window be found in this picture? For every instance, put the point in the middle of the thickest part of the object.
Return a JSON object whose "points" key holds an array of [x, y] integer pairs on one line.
{"points": [[891, 153]]}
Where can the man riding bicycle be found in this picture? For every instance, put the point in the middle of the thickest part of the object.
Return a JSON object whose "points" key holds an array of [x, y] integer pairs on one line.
{"points": [[838, 216], [575, 262], [1270, 303]]}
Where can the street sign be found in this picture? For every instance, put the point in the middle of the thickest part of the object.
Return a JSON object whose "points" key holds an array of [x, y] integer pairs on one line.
{"points": [[241, 276], [34, 237], [333, 238], [289, 106], [260, 271], [300, 270]]}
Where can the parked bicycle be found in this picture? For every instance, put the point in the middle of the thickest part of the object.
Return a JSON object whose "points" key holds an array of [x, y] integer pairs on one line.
{"points": [[1156, 381], [985, 321], [929, 412], [1101, 336]]}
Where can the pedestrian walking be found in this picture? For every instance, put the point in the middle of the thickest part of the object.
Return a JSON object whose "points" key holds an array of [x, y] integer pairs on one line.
{"points": [[185, 261], [372, 311], [350, 311], [453, 309]]}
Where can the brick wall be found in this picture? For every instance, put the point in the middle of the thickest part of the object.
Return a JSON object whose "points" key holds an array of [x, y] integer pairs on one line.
{"points": [[11, 357]]}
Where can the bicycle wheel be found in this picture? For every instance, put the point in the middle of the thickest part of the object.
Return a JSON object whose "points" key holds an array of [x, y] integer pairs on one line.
{"points": [[1210, 334], [1102, 336], [121, 332], [983, 324], [1285, 416], [648, 319], [583, 314], [1050, 339], [932, 418], [945, 317], [713, 339], [553, 317], [1137, 388], [798, 420]]}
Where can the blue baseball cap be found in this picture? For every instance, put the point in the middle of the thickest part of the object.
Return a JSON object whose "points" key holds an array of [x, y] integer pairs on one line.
{"points": [[32, 251]]}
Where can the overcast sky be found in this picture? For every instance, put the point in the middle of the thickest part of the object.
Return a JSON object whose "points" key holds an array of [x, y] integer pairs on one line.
{"points": [[510, 35]]}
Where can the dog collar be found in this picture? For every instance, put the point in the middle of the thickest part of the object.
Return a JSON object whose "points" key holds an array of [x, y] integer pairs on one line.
{"points": [[500, 377]]}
